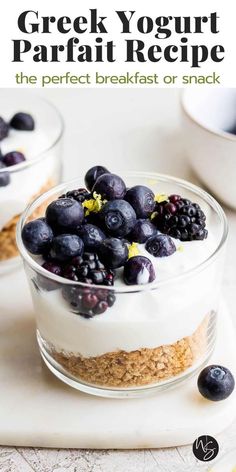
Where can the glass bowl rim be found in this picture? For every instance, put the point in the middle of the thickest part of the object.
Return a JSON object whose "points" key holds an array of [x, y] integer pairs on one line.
{"points": [[131, 288], [42, 154]]}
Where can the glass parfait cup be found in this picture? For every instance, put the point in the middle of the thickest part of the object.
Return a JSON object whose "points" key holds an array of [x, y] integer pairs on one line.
{"points": [[38, 173], [148, 337]]}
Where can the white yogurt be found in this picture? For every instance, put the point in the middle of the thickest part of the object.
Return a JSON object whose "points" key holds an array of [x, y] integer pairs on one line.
{"points": [[145, 319], [27, 182]]}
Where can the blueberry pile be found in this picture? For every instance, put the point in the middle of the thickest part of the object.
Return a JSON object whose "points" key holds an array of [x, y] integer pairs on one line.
{"points": [[89, 233], [22, 122]]}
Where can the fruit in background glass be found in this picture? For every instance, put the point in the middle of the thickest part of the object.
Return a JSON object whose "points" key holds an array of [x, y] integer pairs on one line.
{"points": [[142, 200], [4, 176], [92, 175], [22, 121], [160, 245], [13, 158], [64, 214], [113, 252], [37, 236], [118, 218], [110, 187], [138, 270], [4, 129]]}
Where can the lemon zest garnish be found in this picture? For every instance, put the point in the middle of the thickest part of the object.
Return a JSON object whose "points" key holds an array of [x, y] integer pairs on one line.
{"points": [[133, 250], [153, 215], [181, 249], [93, 205], [161, 197]]}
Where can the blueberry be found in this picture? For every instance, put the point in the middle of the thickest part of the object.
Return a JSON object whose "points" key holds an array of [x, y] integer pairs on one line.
{"points": [[13, 158], [64, 214], [91, 235], [118, 218], [110, 186], [113, 252], [22, 121], [4, 176], [142, 200], [142, 230], [216, 383], [93, 174], [4, 129], [37, 236], [66, 246], [138, 270], [160, 245]]}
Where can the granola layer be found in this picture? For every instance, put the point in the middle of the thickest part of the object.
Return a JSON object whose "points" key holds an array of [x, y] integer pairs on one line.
{"points": [[140, 367], [8, 247]]}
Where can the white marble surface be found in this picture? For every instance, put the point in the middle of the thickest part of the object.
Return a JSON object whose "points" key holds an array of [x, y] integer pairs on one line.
{"points": [[135, 129]]}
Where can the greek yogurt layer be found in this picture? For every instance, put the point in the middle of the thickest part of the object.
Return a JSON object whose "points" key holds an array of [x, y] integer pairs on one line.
{"points": [[25, 183], [148, 318]]}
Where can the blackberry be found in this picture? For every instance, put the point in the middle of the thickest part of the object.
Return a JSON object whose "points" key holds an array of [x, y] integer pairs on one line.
{"points": [[4, 129], [80, 195], [180, 218], [89, 269], [88, 302]]}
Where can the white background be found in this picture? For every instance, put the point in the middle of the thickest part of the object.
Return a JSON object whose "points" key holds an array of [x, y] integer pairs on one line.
{"points": [[9, 12]]}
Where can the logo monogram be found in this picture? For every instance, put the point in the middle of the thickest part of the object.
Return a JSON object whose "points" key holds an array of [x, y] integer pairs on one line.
{"points": [[205, 448]]}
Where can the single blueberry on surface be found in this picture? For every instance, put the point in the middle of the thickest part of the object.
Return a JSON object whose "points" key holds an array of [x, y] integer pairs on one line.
{"points": [[13, 158], [66, 246], [142, 200], [37, 236], [4, 176], [22, 121], [160, 245], [216, 383], [91, 235], [4, 129], [64, 214], [142, 230], [118, 218], [113, 252], [110, 186], [138, 270], [92, 175]]}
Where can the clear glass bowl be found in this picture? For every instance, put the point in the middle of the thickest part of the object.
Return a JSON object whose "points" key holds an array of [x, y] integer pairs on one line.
{"points": [[153, 336], [40, 172]]}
